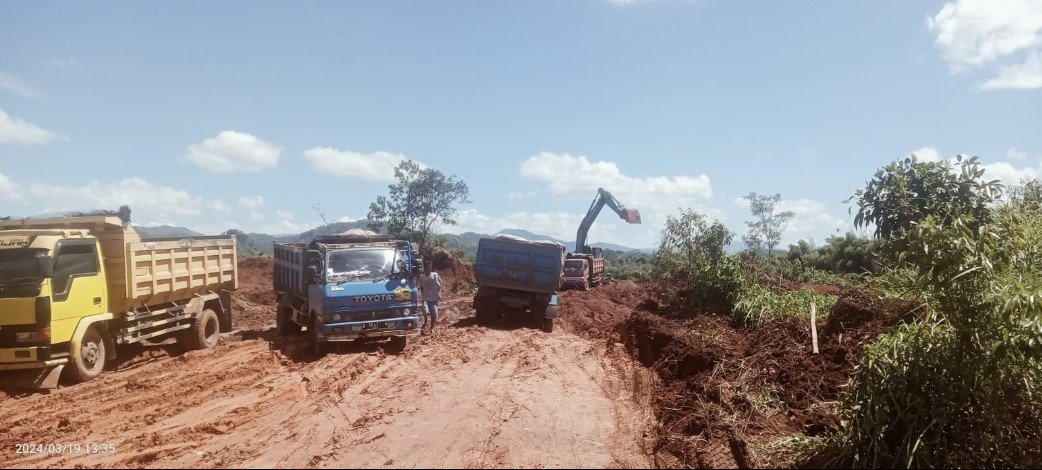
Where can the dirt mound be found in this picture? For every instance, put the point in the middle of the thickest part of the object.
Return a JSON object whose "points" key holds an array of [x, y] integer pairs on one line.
{"points": [[857, 307], [730, 395], [451, 269], [253, 303], [598, 312]]}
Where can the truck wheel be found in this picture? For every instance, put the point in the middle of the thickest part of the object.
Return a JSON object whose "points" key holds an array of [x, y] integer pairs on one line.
{"points": [[89, 360], [586, 285], [482, 312], [397, 344], [204, 333], [318, 346], [548, 325], [284, 325]]}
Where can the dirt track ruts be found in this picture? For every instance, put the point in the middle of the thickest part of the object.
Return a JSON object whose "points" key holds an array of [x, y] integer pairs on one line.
{"points": [[469, 396]]}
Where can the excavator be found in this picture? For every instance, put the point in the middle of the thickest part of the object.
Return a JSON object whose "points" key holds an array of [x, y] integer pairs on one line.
{"points": [[584, 267]]}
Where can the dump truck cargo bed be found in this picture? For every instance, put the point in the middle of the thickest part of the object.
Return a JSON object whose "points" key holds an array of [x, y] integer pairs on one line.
{"points": [[519, 264], [150, 271]]}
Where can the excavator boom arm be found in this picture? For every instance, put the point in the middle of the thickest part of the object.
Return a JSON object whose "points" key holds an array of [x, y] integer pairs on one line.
{"points": [[603, 197]]}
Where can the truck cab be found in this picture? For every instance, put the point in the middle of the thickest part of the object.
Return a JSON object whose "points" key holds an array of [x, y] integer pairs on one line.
{"points": [[576, 273], [50, 280], [348, 288]]}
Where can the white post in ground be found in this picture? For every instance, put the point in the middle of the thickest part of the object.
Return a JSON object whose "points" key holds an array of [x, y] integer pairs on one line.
{"points": [[814, 326]]}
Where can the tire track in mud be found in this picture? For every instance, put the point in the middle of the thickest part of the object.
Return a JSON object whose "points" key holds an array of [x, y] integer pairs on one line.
{"points": [[468, 396]]}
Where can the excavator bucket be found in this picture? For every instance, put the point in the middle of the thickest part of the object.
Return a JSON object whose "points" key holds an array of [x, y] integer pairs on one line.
{"points": [[630, 215]]}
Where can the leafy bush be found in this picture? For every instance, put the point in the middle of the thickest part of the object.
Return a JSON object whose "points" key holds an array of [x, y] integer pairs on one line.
{"points": [[794, 271], [960, 386], [754, 303], [691, 269], [633, 265], [465, 286], [849, 254]]}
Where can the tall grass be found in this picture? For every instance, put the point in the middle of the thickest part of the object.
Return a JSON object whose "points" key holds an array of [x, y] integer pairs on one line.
{"points": [[755, 303]]}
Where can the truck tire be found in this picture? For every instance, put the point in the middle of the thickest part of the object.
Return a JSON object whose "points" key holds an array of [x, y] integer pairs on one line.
{"points": [[318, 346], [482, 311], [204, 333], [284, 324], [586, 285], [548, 325], [89, 360], [397, 344]]}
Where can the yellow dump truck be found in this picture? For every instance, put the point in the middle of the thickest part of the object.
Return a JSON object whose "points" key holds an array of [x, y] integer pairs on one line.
{"points": [[73, 288]]}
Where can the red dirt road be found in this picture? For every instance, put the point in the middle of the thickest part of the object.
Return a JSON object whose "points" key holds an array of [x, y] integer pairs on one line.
{"points": [[469, 396]]}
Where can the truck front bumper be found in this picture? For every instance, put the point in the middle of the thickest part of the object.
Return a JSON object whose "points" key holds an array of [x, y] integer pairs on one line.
{"points": [[349, 331], [30, 357]]}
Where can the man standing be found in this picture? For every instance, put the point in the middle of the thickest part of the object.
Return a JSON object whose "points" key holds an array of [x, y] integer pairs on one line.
{"points": [[430, 289]]}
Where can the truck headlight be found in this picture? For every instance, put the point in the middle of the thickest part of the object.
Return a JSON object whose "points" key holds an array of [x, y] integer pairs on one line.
{"points": [[406, 312], [336, 317]]}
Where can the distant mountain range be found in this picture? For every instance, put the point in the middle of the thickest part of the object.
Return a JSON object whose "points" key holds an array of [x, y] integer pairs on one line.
{"points": [[261, 243]]}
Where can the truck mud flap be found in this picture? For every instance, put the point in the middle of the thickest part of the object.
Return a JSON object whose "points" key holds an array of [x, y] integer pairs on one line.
{"points": [[44, 378]]}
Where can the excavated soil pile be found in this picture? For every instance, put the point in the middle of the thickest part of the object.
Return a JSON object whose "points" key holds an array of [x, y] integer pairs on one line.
{"points": [[451, 269], [253, 303], [597, 313], [731, 396]]}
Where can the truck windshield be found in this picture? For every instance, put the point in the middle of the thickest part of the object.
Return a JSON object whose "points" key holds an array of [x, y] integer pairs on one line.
{"points": [[360, 264], [20, 272], [575, 265]]}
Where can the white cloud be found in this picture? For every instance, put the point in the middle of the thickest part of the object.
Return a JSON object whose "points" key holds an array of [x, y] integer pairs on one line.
{"points": [[1008, 174], [8, 190], [1019, 76], [927, 154], [284, 215], [376, 166], [347, 218], [251, 202], [811, 219], [981, 33], [14, 85], [1014, 154], [577, 177], [149, 200], [232, 152], [576, 180], [18, 131], [218, 205], [256, 216], [976, 32]]}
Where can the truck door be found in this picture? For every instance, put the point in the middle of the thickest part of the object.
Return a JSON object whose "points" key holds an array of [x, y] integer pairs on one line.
{"points": [[77, 287]]}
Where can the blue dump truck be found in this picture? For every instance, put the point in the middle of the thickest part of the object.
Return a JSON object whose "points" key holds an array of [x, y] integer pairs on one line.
{"points": [[348, 288], [517, 277]]}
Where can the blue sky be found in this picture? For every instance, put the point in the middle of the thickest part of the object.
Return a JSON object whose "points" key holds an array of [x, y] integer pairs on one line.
{"points": [[214, 115]]}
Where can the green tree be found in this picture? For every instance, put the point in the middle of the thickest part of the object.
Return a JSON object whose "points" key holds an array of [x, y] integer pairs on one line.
{"points": [[420, 197], [957, 384], [905, 193], [767, 227], [691, 267], [1027, 196]]}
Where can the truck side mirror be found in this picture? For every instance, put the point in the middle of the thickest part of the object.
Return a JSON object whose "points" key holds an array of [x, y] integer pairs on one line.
{"points": [[45, 264]]}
